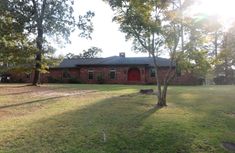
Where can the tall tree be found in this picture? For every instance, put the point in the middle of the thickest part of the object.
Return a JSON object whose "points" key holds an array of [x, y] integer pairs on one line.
{"points": [[47, 18], [152, 30], [226, 57], [197, 52]]}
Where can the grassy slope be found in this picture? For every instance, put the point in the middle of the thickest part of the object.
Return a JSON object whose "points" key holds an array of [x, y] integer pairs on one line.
{"points": [[197, 120]]}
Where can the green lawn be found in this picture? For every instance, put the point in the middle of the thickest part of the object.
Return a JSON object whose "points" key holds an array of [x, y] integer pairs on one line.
{"points": [[115, 119]]}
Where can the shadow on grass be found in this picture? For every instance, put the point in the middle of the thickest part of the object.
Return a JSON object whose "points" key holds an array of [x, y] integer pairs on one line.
{"points": [[113, 125], [16, 93], [31, 102]]}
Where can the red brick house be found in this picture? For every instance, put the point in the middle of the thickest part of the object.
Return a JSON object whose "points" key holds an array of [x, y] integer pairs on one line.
{"points": [[111, 70]]}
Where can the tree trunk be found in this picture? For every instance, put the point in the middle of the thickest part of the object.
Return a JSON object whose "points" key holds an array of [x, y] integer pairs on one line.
{"points": [[162, 97], [39, 40], [36, 79], [38, 57], [216, 44], [161, 102]]}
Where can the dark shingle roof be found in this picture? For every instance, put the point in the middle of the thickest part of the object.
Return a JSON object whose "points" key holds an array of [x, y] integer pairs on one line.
{"points": [[114, 60]]}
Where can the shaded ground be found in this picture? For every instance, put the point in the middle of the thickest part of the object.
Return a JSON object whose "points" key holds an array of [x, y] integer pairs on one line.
{"points": [[114, 119]]}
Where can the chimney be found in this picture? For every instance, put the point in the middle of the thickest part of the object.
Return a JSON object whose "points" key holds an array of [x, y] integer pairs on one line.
{"points": [[122, 54]]}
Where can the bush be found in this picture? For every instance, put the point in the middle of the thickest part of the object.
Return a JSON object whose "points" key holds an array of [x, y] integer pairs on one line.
{"points": [[222, 80], [74, 80], [54, 80]]}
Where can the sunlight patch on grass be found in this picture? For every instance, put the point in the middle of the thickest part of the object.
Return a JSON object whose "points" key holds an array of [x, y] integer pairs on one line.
{"points": [[189, 97]]}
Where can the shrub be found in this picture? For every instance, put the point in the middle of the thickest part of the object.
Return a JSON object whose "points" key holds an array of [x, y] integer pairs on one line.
{"points": [[74, 80], [54, 80]]}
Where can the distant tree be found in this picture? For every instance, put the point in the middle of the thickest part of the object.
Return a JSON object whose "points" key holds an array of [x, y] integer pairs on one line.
{"points": [[195, 58], [49, 59], [42, 18], [92, 52], [69, 56], [226, 58], [213, 32]]}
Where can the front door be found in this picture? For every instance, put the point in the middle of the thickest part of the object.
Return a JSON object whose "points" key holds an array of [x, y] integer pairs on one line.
{"points": [[134, 74]]}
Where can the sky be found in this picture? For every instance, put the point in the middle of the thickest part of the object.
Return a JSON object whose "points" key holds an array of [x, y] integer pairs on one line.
{"points": [[106, 33]]}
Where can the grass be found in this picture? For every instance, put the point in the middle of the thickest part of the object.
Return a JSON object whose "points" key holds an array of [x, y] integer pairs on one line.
{"points": [[115, 119]]}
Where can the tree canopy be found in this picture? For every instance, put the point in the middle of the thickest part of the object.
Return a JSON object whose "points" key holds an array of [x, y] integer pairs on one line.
{"points": [[40, 19], [16, 50]]}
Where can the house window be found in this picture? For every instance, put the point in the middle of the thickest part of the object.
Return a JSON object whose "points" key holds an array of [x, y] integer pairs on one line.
{"points": [[112, 74], [90, 74], [152, 72]]}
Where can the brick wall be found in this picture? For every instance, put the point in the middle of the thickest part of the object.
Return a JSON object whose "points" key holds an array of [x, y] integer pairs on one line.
{"points": [[80, 74]]}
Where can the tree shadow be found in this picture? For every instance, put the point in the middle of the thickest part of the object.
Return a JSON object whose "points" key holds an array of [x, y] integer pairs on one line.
{"points": [[31, 102], [116, 124], [16, 93]]}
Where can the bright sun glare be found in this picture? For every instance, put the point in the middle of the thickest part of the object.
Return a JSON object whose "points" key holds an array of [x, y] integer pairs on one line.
{"points": [[224, 9]]}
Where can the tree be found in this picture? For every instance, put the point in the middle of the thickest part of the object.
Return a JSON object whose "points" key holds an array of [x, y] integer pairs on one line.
{"points": [[198, 48], [70, 56], [226, 58], [16, 50], [46, 18], [92, 52], [152, 27]]}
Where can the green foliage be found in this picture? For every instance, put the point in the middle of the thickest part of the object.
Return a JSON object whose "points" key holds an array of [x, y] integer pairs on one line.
{"points": [[56, 17], [225, 62], [16, 50], [141, 22], [49, 59], [195, 62], [92, 52]]}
